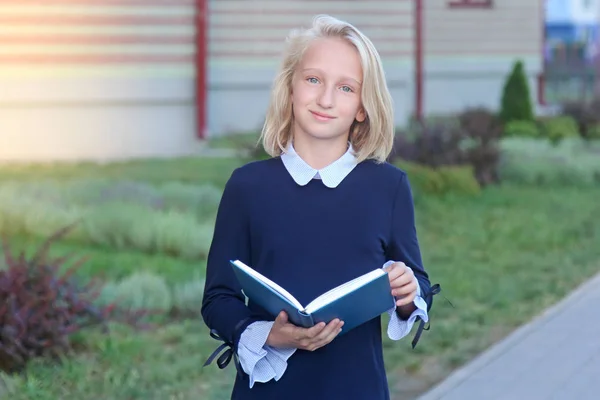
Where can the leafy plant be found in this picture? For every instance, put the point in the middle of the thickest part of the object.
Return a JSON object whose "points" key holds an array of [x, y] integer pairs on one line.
{"points": [[517, 128], [572, 162], [559, 128], [586, 116], [483, 130], [516, 101], [42, 307], [593, 132], [433, 145], [440, 181], [472, 141], [142, 290]]}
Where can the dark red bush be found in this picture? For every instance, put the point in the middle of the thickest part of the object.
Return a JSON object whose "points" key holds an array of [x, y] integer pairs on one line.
{"points": [[472, 140], [42, 305]]}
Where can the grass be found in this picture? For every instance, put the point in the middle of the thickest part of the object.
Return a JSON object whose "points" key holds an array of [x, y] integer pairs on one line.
{"points": [[214, 171], [501, 257]]}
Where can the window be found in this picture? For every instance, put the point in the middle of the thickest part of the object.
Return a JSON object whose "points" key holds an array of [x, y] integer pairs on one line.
{"points": [[470, 3]]}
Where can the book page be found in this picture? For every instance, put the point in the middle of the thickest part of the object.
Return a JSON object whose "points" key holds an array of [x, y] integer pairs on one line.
{"points": [[342, 290], [258, 276]]}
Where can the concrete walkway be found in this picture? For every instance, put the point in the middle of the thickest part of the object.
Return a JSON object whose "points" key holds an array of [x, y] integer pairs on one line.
{"points": [[556, 356]]}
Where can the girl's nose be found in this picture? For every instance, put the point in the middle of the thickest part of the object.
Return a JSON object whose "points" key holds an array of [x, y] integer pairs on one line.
{"points": [[325, 98]]}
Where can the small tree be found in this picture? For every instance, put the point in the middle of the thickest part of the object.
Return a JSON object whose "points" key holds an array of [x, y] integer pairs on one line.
{"points": [[516, 100]]}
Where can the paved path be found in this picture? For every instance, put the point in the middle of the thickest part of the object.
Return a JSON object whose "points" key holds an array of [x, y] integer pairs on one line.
{"points": [[556, 356]]}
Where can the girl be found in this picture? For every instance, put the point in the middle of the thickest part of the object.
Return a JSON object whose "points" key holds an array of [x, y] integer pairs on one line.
{"points": [[324, 209]]}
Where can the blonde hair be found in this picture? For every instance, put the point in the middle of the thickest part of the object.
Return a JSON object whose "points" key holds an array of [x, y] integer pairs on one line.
{"points": [[370, 139]]}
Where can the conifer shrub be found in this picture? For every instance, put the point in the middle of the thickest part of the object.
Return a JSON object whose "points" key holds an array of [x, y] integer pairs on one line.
{"points": [[516, 101]]}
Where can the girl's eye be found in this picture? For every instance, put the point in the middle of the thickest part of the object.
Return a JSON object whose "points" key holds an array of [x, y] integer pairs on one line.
{"points": [[313, 80], [347, 89]]}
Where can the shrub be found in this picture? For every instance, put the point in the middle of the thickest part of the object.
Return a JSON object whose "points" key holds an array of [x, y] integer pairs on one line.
{"points": [[441, 180], [187, 296], [174, 219], [43, 307], [517, 128], [586, 116], [201, 200], [139, 291], [431, 145], [472, 141], [482, 130], [516, 101], [559, 128], [573, 162], [593, 132], [144, 290]]}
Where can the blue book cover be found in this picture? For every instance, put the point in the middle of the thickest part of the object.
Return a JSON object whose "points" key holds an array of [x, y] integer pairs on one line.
{"points": [[354, 302]]}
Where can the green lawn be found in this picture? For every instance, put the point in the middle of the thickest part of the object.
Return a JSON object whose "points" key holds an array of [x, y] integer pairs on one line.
{"points": [[501, 258]]}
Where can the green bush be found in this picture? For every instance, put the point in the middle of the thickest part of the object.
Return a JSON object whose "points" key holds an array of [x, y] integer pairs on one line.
{"points": [[586, 114], [441, 180], [572, 162], [174, 219], [140, 291], [145, 290], [593, 132], [518, 128], [516, 104], [187, 296], [559, 128]]}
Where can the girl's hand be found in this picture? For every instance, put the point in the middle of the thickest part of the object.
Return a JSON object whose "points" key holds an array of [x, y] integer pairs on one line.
{"points": [[287, 335], [404, 284]]}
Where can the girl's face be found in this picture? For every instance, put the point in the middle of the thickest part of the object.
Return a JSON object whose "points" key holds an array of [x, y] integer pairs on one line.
{"points": [[326, 90]]}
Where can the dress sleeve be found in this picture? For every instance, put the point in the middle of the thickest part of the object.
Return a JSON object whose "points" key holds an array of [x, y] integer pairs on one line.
{"points": [[223, 305], [397, 327], [403, 242], [260, 361]]}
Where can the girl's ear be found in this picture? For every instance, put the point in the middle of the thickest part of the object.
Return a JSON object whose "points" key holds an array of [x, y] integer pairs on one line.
{"points": [[361, 115]]}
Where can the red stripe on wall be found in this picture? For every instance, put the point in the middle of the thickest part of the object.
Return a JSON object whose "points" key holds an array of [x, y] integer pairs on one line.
{"points": [[145, 39], [96, 59], [93, 39], [95, 20]]}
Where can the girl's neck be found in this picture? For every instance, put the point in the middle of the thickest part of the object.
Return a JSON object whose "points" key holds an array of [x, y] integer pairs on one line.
{"points": [[320, 153]]}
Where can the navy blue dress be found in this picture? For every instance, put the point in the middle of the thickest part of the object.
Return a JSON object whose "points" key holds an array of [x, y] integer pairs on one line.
{"points": [[310, 239]]}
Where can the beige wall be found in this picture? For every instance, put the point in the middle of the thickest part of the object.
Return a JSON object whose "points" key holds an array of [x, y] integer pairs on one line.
{"points": [[253, 31], [86, 80], [510, 27], [469, 52], [61, 107], [247, 37]]}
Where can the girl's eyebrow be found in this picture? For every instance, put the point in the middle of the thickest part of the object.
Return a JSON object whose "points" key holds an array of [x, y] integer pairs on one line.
{"points": [[320, 71]]}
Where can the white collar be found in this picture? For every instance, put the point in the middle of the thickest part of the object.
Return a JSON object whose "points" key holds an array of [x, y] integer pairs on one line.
{"points": [[331, 176]]}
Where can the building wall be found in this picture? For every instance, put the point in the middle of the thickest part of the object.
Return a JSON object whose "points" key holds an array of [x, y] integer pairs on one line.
{"points": [[468, 52], [96, 79], [246, 39], [105, 79]]}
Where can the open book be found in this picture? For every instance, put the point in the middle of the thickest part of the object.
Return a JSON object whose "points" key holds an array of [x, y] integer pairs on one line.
{"points": [[354, 302]]}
